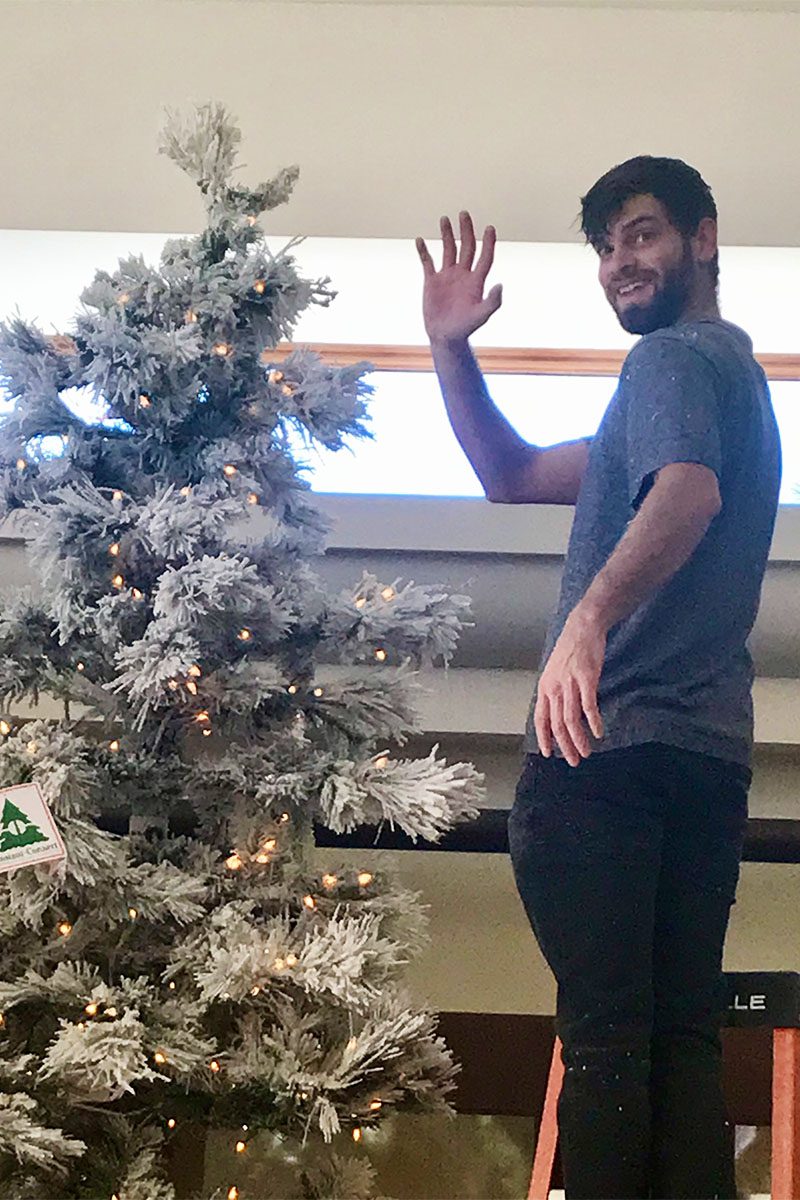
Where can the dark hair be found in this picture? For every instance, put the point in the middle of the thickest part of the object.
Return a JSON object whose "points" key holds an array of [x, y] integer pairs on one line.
{"points": [[682, 190]]}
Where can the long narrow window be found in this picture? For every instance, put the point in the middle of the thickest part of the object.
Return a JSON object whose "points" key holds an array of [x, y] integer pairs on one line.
{"points": [[549, 396]]}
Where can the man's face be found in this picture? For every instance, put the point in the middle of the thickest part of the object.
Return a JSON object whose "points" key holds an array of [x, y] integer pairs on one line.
{"points": [[648, 270]]}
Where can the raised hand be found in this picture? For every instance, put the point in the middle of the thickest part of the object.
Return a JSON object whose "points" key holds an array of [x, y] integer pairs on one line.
{"points": [[453, 303]]}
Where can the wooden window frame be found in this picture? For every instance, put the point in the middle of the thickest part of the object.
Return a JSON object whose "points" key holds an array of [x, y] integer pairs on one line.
{"points": [[504, 360]]}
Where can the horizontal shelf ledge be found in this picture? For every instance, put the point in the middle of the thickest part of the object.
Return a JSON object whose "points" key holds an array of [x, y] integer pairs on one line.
{"points": [[475, 700]]}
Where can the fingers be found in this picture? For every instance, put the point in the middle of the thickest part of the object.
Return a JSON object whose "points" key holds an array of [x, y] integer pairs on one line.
{"points": [[448, 243], [484, 264], [493, 300], [590, 707], [425, 256], [467, 230], [541, 723], [465, 257], [560, 716], [573, 723]]}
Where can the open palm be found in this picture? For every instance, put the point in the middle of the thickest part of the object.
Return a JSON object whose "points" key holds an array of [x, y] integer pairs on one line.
{"points": [[453, 303]]}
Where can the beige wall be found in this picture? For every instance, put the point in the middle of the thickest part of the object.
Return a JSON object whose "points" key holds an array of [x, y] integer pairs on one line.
{"points": [[482, 956], [397, 112]]}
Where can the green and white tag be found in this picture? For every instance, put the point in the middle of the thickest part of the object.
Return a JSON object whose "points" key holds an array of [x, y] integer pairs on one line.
{"points": [[28, 833]]}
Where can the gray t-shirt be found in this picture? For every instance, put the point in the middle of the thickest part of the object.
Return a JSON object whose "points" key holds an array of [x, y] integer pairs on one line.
{"points": [[678, 669]]}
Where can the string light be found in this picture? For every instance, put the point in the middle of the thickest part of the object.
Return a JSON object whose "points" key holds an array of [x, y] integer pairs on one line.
{"points": [[329, 881], [173, 685], [133, 913], [251, 220], [292, 689], [284, 817], [5, 728], [275, 376], [111, 1012], [117, 495], [230, 470], [375, 1105], [171, 1123], [80, 666], [190, 317], [137, 595], [202, 718], [287, 389], [244, 635], [123, 298], [223, 349], [270, 844], [32, 747], [241, 1147], [364, 879], [195, 671], [380, 655], [114, 549], [186, 491], [21, 464], [207, 732], [252, 498], [357, 1134], [233, 862], [91, 1009], [160, 1057], [233, 1193], [191, 687], [118, 582], [318, 691], [262, 858], [113, 746], [260, 287], [64, 928], [2, 1019], [254, 992], [361, 601], [245, 1128], [172, 985], [388, 593], [309, 902], [382, 762], [278, 965], [291, 960], [214, 1066], [145, 401]]}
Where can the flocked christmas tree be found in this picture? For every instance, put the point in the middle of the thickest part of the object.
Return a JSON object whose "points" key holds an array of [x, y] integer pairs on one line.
{"points": [[187, 963]]}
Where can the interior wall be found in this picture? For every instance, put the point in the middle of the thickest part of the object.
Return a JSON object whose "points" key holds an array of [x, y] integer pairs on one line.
{"points": [[397, 112]]}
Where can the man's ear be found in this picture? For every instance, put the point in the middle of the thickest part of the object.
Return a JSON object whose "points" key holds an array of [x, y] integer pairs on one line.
{"points": [[705, 240]]}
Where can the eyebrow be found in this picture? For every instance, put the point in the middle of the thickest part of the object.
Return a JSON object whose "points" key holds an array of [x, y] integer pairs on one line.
{"points": [[634, 222]]}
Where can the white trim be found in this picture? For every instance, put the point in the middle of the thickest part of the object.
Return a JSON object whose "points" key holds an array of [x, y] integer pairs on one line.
{"points": [[452, 525]]}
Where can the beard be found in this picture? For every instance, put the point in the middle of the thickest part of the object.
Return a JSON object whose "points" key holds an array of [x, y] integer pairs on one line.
{"points": [[669, 301]]}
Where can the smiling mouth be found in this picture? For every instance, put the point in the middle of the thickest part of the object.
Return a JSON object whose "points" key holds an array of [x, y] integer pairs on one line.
{"points": [[632, 289]]}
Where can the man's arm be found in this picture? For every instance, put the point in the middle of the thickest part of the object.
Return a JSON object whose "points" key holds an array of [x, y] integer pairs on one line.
{"points": [[511, 470], [454, 307], [670, 524]]}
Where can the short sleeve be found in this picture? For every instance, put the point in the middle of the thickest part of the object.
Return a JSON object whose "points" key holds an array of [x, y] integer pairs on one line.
{"points": [[673, 397]]}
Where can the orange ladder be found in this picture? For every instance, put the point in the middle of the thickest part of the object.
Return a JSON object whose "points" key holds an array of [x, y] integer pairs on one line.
{"points": [[756, 998]]}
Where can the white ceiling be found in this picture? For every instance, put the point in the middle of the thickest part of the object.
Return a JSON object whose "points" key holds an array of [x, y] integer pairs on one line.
{"points": [[398, 112]]}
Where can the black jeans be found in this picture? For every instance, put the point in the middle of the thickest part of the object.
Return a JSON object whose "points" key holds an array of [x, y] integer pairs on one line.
{"points": [[627, 866]]}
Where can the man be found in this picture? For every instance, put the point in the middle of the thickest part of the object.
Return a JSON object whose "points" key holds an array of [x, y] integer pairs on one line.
{"points": [[627, 828]]}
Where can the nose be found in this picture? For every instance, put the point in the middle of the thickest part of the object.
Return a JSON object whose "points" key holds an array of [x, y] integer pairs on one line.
{"points": [[617, 266]]}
